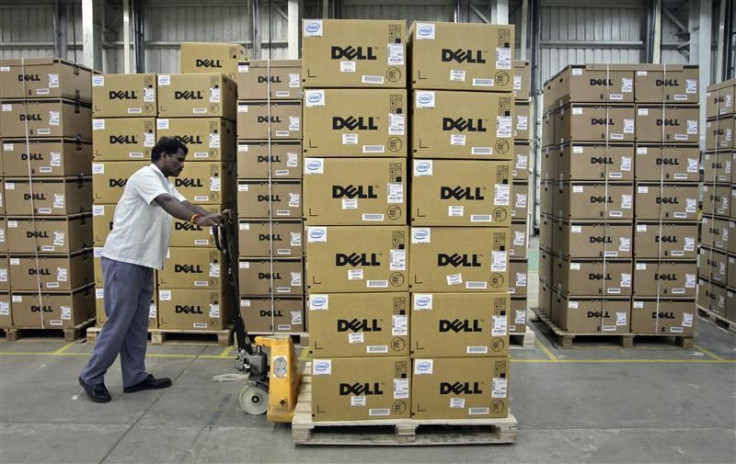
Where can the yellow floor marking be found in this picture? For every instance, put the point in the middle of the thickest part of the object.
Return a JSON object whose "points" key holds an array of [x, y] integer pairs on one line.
{"points": [[64, 348], [226, 352], [709, 353], [545, 350]]}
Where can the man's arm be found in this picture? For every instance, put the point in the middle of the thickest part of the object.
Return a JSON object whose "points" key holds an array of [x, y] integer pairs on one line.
{"points": [[181, 210], [195, 209]]}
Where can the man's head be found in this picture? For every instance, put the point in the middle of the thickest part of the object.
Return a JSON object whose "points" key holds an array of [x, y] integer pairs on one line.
{"points": [[169, 155]]}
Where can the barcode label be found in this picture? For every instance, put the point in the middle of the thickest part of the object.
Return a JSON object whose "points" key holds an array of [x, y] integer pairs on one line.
{"points": [[476, 350], [374, 149], [377, 284], [377, 349], [476, 285], [373, 217], [479, 411], [379, 412], [481, 218], [372, 80], [483, 82]]}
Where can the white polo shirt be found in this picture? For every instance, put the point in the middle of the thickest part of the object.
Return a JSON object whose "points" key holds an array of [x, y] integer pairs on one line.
{"points": [[141, 228]]}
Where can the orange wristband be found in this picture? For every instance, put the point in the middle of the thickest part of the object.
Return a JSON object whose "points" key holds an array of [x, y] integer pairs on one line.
{"points": [[194, 218]]}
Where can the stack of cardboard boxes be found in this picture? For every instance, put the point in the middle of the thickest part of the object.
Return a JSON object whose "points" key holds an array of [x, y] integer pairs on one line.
{"points": [[269, 170], [618, 233], [717, 271], [46, 277]]}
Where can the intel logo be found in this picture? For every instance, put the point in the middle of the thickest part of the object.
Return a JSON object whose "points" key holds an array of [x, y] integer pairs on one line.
{"points": [[424, 366], [425, 31], [319, 302], [317, 233], [422, 167], [313, 27], [313, 165], [421, 234], [425, 98], [423, 301], [315, 97], [321, 366]]}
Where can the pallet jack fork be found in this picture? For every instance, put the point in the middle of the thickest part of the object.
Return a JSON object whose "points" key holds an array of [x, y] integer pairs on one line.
{"points": [[274, 384]]}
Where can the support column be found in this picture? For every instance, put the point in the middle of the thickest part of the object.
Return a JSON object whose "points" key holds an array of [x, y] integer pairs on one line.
{"points": [[720, 56], [127, 69], [657, 39], [700, 50], [91, 33], [61, 26], [500, 12], [293, 25]]}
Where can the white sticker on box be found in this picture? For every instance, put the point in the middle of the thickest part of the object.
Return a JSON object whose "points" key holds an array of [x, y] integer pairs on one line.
{"points": [[215, 184], [162, 124], [641, 266], [149, 140], [578, 189], [576, 229], [399, 325], [294, 200], [322, 367], [522, 161], [396, 124], [296, 279], [500, 387], [621, 319], [503, 58], [624, 244], [349, 203], [499, 326], [354, 338], [423, 168], [373, 217], [62, 274], [54, 118], [681, 137], [483, 82], [502, 194], [314, 98], [164, 80], [348, 66], [520, 200], [316, 234], [295, 80], [355, 274], [626, 280], [395, 192], [59, 200], [689, 244], [692, 127], [691, 205], [7, 108], [3, 275], [627, 201], [349, 139], [690, 280], [292, 160], [296, 317], [376, 284], [641, 227], [59, 238], [454, 279], [378, 80], [215, 95], [522, 122], [520, 316], [423, 301], [691, 86], [517, 82], [457, 75], [574, 266], [4, 308], [374, 149], [397, 260], [504, 126], [425, 99], [617, 136], [214, 311], [627, 84], [395, 55], [687, 319], [314, 166], [149, 94], [457, 139], [401, 389], [499, 261], [97, 81], [628, 126], [521, 279], [642, 150], [519, 238], [476, 285], [294, 123], [457, 403], [626, 163]]}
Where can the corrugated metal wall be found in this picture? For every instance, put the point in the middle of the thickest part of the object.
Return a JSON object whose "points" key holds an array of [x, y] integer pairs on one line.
{"points": [[428, 10]]}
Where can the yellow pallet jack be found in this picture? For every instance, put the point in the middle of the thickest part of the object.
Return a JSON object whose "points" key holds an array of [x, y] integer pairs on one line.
{"points": [[273, 385]]}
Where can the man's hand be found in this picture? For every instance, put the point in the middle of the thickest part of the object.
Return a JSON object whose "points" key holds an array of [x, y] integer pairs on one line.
{"points": [[228, 214], [212, 219]]}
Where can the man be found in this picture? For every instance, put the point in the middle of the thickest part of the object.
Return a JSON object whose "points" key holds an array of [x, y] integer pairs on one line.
{"points": [[138, 244]]}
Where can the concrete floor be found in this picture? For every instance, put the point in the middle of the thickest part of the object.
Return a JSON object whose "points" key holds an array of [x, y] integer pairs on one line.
{"points": [[596, 404]]}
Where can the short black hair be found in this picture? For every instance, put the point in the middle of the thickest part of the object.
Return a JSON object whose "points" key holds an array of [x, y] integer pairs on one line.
{"points": [[168, 145]]}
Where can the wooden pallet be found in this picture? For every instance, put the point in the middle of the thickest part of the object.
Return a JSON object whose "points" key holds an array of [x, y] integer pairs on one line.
{"points": [[161, 336], [299, 339], [70, 333], [717, 319], [531, 315], [401, 432], [523, 341], [626, 340]]}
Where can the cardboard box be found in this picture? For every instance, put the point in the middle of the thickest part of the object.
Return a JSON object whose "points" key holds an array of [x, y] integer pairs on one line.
{"points": [[57, 197], [719, 134], [49, 234], [359, 324], [6, 318], [355, 191], [517, 316], [592, 278], [259, 120], [97, 267], [668, 241], [549, 129], [460, 388], [53, 310], [193, 309], [46, 118], [282, 200], [207, 95], [712, 297], [589, 123], [186, 234], [594, 201], [270, 79], [56, 273], [548, 194], [261, 276], [285, 316], [102, 316], [460, 324], [123, 139], [520, 201], [519, 241], [518, 278], [4, 273], [261, 239], [48, 157], [545, 298], [657, 83], [522, 80], [670, 202], [667, 163], [361, 388], [673, 317], [3, 235], [522, 155], [716, 232], [730, 304], [459, 259], [718, 167], [733, 202], [110, 177], [353, 53], [675, 124], [282, 158], [546, 226], [713, 266], [715, 200], [590, 84], [462, 125], [45, 78], [731, 271], [102, 221], [193, 268], [522, 121], [207, 183], [591, 315], [583, 162], [208, 139], [208, 57], [462, 56], [725, 99], [352, 122], [732, 233], [593, 239], [462, 193], [547, 263], [124, 96], [665, 278]]}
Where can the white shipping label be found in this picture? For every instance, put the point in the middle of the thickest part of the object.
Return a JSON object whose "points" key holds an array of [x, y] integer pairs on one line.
{"points": [[395, 192], [59, 238], [689, 244], [481, 151], [457, 75], [396, 124], [687, 319], [627, 201], [348, 66], [214, 95], [500, 387], [499, 326], [294, 123], [373, 217], [356, 338], [355, 274], [377, 284], [504, 126], [401, 389], [349, 139], [621, 319], [62, 274], [425, 31], [314, 98], [296, 279], [398, 260], [502, 194], [457, 403], [520, 200], [295, 239], [522, 161], [59, 201], [296, 317], [3, 275], [691, 205], [626, 280], [624, 244], [503, 58], [149, 95], [457, 139], [483, 82], [628, 126], [425, 99], [691, 86], [378, 80], [4, 308], [214, 311], [454, 279], [423, 301], [517, 82], [214, 270], [295, 80], [690, 280], [399, 325], [572, 305], [374, 149], [499, 261], [626, 163], [294, 200], [575, 266], [521, 279], [627, 85], [520, 316], [577, 111], [54, 118], [215, 184], [349, 203], [692, 165], [66, 313], [395, 55], [522, 122], [692, 127], [214, 140], [519, 238], [149, 140], [576, 229]]}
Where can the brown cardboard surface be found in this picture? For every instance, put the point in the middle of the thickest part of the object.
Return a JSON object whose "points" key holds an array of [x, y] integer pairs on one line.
{"points": [[670, 241], [663, 317], [718, 167], [716, 200], [56, 197], [256, 157], [274, 79], [355, 191], [102, 317], [49, 234], [102, 221], [53, 310], [110, 177], [545, 298], [97, 267], [712, 296], [549, 130], [461, 193], [713, 266], [589, 123], [208, 139], [4, 273], [725, 99], [282, 120], [730, 305], [667, 163], [716, 232], [731, 271], [260, 238], [361, 388], [520, 169], [353, 122], [45, 78], [460, 388], [282, 200], [670, 202], [193, 309], [733, 201], [207, 183], [359, 324], [193, 268], [711, 101], [357, 258], [286, 316], [3, 235], [673, 124], [522, 80], [518, 278], [186, 234], [6, 319], [590, 315], [546, 226], [46, 118], [517, 316], [547, 261], [208, 57], [719, 134], [459, 259], [205, 95], [460, 324], [124, 95], [56, 273], [519, 241], [123, 139], [594, 201], [589, 84], [461, 56], [519, 201], [283, 277], [462, 125], [48, 158], [593, 239], [353, 53], [582, 162], [732, 232], [2, 195], [592, 278], [548, 191], [658, 83], [665, 278]]}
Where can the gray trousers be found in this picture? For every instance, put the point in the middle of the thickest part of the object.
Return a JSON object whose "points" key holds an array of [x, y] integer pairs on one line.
{"points": [[128, 289]]}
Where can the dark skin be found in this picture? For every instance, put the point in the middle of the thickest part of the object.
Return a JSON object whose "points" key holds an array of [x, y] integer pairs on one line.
{"points": [[171, 165]]}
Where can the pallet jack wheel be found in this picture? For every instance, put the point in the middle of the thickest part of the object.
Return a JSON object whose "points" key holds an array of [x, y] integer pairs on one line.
{"points": [[254, 400]]}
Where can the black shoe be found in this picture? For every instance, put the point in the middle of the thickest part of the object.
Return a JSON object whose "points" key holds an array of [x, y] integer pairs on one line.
{"points": [[97, 393], [149, 383]]}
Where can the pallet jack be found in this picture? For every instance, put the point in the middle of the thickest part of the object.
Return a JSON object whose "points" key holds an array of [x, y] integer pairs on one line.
{"points": [[273, 384]]}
